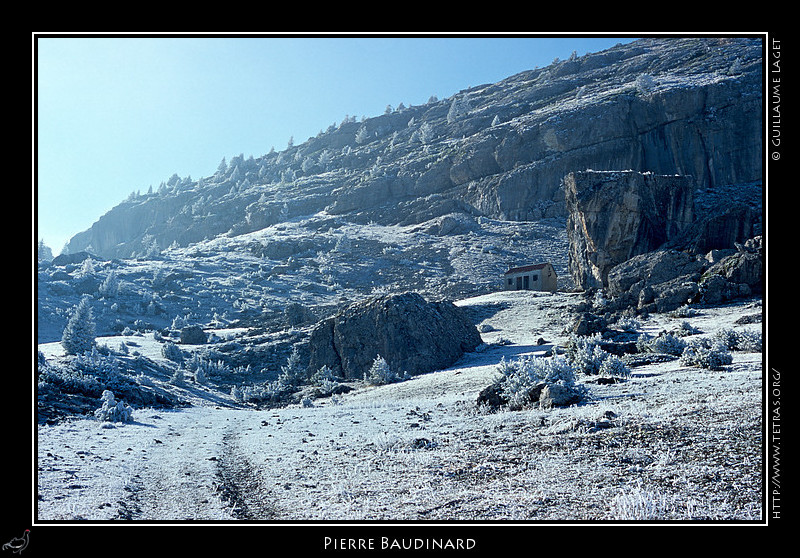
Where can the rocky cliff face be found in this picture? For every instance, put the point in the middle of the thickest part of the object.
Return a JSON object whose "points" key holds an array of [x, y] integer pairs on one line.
{"points": [[614, 216], [668, 106]]}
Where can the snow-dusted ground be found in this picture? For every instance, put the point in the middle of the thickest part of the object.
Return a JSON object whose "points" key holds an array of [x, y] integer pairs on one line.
{"points": [[671, 443]]}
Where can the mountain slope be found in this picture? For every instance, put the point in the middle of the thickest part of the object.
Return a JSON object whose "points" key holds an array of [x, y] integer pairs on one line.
{"points": [[670, 106]]}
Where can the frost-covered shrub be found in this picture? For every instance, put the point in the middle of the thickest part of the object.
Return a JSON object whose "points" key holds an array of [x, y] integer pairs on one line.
{"points": [[205, 368], [380, 373], [171, 351], [589, 359], [66, 379], [78, 335], [585, 354], [107, 369], [522, 380], [109, 288], [706, 354], [664, 343], [326, 380], [600, 301], [725, 337], [685, 329], [268, 392], [178, 378], [178, 323], [684, 311], [112, 410], [747, 341], [614, 367], [323, 374], [629, 324], [200, 376], [293, 373]]}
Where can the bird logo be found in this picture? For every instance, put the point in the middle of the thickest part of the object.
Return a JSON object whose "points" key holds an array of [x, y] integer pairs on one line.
{"points": [[18, 544]]}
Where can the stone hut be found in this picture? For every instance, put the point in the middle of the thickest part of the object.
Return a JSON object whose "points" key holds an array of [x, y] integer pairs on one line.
{"points": [[537, 277]]}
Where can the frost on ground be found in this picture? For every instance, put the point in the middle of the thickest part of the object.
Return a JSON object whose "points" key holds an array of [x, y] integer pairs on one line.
{"points": [[671, 442]]}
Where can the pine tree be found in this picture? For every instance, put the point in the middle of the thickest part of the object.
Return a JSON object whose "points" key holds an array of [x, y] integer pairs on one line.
{"points": [[43, 252], [78, 336]]}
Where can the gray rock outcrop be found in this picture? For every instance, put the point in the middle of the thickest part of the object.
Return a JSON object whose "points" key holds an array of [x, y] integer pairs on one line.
{"points": [[614, 216], [740, 274], [413, 335], [664, 280]]}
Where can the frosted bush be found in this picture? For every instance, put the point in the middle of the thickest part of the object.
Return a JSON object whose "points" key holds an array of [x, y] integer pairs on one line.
{"points": [[629, 324], [268, 392], [327, 387], [614, 367], [750, 341], [96, 363], [747, 341], [293, 373], [588, 358], [706, 354], [725, 337], [664, 343], [599, 301], [323, 374], [205, 368], [684, 311], [685, 329], [523, 379], [112, 410], [178, 378], [66, 380], [380, 373], [78, 335], [171, 351], [325, 380]]}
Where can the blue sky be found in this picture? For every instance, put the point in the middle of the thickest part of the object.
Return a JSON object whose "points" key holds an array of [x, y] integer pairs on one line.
{"points": [[115, 115]]}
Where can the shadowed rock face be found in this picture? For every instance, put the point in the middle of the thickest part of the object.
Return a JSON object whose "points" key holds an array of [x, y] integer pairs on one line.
{"points": [[411, 334], [614, 216]]}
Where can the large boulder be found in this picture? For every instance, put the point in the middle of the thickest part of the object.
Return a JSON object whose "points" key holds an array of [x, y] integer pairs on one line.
{"points": [[413, 336], [658, 281], [614, 216], [740, 274], [664, 280], [651, 269]]}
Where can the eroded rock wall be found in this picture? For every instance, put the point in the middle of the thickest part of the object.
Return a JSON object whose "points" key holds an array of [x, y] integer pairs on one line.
{"points": [[614, 216]]}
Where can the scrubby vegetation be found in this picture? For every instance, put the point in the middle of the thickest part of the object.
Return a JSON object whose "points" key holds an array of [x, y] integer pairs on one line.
{"points": [[112, 410], [534, 380], [380, 373]]}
